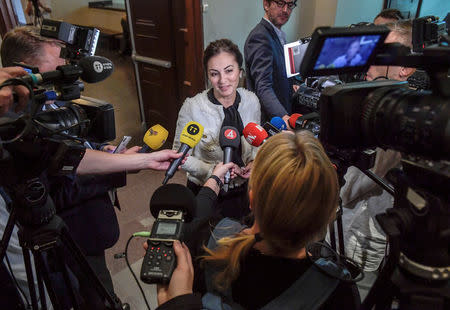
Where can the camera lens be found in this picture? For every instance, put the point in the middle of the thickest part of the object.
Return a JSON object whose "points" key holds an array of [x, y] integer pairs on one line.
{"points": [[408, 121], [71, 120]]}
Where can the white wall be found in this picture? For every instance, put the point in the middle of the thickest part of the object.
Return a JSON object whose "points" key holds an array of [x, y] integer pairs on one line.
{"points": [[435, 7], [355, 11]]}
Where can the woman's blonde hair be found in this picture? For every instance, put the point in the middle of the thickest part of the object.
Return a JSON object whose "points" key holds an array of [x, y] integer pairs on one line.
{"points": [[295, 194]]}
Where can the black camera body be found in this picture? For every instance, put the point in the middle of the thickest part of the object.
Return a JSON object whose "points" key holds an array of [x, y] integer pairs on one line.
{"points": [[159, 261], [80, 41]]}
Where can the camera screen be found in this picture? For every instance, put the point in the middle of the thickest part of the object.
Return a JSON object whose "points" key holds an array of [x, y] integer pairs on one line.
{"points": [[165, 228], [346, 52]]}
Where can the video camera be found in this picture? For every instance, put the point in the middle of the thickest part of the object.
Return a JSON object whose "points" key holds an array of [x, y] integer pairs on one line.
{"points": [[79, 41], [57, 131], [388, 114]]}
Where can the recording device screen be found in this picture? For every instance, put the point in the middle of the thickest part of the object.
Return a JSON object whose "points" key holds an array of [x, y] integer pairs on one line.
{"points": [[342, 50], [165, 228]]}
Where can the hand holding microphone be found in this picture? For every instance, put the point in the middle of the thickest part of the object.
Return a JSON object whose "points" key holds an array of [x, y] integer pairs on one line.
{"points": [[229, 140], [190, 136], [154, 138]]}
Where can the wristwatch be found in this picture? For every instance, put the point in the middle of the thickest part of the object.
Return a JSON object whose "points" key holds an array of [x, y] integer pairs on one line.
{"points": [[217, 179]]}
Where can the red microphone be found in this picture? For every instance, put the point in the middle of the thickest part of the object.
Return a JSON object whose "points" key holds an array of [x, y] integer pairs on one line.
{"points": [[255, 134], [293, 119]]}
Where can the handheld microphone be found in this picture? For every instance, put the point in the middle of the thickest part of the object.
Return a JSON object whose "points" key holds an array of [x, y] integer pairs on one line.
{"points": [[279, 123], [91, 69], [293, 120], [299, 121], [154, 138], [229, 139], [190, 136], [255, 134]]}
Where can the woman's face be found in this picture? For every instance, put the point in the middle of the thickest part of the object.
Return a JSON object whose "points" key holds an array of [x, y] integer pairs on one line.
{"points": [[223, 73]]}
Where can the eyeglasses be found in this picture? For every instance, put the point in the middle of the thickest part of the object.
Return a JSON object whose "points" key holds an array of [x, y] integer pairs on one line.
{"points": [[281, 4]]}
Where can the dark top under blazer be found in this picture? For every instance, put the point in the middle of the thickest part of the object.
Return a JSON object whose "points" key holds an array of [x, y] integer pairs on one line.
{"points": [[266, 70]]}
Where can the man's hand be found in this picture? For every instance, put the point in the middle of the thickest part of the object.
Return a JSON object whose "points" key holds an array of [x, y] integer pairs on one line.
{"points": [[286, 120], [132, 150], [182, 278], [6, 93], [161, 160]]}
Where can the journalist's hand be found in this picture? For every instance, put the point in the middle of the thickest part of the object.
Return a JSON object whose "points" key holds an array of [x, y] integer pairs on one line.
{"points": [[161, 160], [6, 93], [182, 278], [221, 169], [132, 150], [246, 171]]}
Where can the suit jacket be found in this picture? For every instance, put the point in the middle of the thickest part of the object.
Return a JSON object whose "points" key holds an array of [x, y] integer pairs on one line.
{"points": [[266, 70]]}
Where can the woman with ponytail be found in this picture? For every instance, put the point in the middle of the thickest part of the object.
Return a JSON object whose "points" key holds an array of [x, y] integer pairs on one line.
{"points": [[293, 191]]}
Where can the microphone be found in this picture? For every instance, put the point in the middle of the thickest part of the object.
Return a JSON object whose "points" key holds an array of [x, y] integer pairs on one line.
{"points": [[190, 136], [173, 197], [255, 134], [91, 69], [299, 121], [279, 123], [293, 120], [229, 139], [154, 138]]}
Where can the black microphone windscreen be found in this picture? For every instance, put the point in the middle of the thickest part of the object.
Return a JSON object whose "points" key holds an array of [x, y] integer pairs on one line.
{"points": [[229, 137], [173, 197], [95, 68]]}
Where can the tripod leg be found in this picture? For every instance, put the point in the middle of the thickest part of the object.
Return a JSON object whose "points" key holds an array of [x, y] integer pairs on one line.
{"points": [[41, 289], [30, 278], [75, 302], [332, 236], [86, 269], [43, 272], [340, 230]]}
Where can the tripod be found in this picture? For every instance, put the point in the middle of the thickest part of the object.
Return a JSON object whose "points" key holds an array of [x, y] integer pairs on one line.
{"points": [[59, 263], [417, 268]]}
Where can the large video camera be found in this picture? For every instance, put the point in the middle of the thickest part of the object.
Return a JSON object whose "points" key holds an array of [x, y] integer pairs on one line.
{"points": [[388, 114]]}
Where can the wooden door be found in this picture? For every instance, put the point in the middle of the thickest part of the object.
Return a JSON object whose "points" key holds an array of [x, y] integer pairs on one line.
{"points": [[167, 50], [8, 19]]}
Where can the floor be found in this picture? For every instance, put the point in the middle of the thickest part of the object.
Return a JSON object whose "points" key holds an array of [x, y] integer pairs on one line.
{"points": [[120, 90]]}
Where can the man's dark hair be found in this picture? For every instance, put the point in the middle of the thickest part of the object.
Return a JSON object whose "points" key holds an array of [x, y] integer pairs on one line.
{"points": [[394, 14], [23, 44]]}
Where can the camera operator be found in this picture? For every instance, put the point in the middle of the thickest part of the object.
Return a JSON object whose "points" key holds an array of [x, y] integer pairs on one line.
{"points": [[364, 240], [83, 201], [252, 266]]}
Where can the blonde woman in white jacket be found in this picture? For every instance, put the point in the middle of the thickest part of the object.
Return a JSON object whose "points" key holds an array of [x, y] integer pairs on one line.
{"points": [[222, 105]]}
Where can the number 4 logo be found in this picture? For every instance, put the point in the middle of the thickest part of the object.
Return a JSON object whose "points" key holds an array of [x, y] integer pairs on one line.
{"points": [[230, 134]]}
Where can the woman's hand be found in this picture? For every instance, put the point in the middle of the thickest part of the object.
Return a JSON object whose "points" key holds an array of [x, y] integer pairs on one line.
{"points": [[182, 278], [246, 171], [221, 169]]}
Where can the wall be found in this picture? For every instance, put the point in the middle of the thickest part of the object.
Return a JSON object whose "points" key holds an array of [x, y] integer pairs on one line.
{"points": [[77, 12], [435, 7], [355, 11]]}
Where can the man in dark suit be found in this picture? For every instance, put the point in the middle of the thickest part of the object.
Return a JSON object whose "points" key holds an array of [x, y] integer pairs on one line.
{"points": [[264, 60]]}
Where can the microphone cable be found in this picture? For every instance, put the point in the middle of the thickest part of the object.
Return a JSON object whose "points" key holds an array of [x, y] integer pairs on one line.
{"points": [[144, 234]]}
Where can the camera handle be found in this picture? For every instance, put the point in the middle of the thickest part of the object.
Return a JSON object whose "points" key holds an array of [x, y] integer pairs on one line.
{"points": [[45, 235]]}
